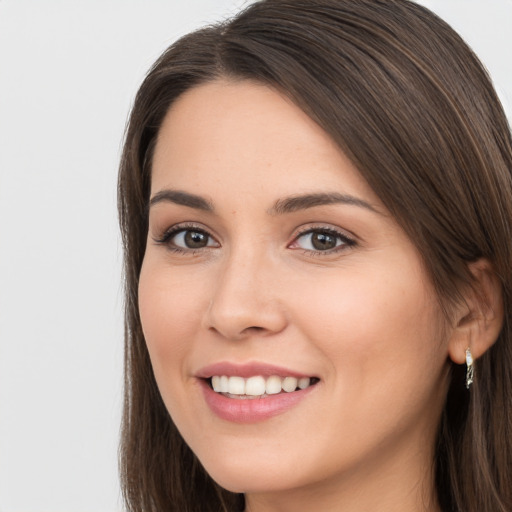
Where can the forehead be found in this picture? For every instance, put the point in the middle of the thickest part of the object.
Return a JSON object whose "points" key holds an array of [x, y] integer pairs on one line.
{"points": [[250, 137]]}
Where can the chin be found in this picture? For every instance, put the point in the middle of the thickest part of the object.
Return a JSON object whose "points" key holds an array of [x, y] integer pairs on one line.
{"points": [[250, 482], [243, 476]]}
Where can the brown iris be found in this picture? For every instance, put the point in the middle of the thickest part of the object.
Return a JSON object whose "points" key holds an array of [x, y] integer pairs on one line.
{"points": [[196, 239], [322, 241]]}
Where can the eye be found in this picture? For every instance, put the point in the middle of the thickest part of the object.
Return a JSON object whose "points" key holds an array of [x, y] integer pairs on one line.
{"points": [[321, 240], [187, 238], [192, 239]]}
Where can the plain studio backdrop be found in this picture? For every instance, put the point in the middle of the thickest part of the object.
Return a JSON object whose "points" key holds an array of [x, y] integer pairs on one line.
{"points": [[69, 71]]}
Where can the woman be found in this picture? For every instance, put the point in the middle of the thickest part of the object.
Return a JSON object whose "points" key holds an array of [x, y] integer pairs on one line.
{"points": [[316, 206]]}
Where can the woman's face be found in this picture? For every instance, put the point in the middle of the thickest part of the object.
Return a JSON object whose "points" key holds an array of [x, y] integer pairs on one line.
{"points": [[271, 266]]}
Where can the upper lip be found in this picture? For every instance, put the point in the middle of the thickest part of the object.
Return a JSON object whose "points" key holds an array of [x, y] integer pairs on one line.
{"points": [[247, 370]]}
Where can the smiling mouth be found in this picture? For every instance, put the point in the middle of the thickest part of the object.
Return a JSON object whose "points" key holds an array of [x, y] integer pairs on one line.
{"points": [[258, 386]]}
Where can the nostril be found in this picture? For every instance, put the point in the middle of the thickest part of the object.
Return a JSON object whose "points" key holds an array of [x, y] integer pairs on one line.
{"points": [[254, 329]]}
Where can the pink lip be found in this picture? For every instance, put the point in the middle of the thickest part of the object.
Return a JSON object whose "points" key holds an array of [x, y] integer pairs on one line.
{"points": [[247, 370], [249, 410], [253, 410]]}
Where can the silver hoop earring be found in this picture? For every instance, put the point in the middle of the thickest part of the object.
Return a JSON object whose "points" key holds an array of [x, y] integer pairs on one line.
{"points": [[470, 370]]}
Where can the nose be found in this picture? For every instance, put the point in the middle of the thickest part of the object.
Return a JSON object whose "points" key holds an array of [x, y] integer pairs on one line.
{"points": [[245, 299]]}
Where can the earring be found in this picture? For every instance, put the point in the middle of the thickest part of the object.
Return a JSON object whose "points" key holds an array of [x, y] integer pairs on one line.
{"points": [[470, 371]]}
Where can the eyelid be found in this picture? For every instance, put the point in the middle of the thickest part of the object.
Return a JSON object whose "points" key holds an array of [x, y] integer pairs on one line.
{"points": [[169, 233], [348, 240]]}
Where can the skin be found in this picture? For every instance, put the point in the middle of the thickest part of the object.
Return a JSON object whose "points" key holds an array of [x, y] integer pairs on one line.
{"points": [[362, 317]]}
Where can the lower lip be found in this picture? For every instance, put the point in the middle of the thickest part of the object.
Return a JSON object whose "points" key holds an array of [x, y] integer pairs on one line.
{"points": [[251, 410]]}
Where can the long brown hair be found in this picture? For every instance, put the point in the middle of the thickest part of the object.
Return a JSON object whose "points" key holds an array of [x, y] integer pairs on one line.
{"points": [[409, 103]]}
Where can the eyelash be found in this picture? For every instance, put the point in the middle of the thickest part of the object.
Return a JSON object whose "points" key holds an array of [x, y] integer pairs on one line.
{"points": [[346, 241], [168, 235]]}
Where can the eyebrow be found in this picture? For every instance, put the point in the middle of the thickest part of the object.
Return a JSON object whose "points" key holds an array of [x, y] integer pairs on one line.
{"points": [[303, 202], [281, 206], [183, 199]]}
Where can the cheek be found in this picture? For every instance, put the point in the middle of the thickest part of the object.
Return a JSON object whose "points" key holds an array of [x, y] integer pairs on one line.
{"points": [[170, 315], [372, 321], [379, 333]]}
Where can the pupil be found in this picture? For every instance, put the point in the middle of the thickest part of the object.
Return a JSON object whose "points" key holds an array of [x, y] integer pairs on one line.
{"points": [[323, 241], [195, 239]]}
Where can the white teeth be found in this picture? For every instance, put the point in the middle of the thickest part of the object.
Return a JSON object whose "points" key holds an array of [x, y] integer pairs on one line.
{"points": [[236, 386], [216, 383], [224, 384], [289, 384], [258, 385], [255, 386], [273, 385], [304, 382]]}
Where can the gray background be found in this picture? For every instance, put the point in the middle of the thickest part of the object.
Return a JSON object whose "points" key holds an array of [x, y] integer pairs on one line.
{"points": [[68, 73]]}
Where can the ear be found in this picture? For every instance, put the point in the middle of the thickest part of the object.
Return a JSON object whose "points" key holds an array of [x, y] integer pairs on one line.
{"points": [[479, 318]]}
